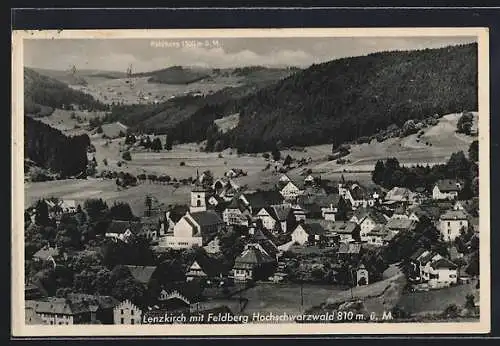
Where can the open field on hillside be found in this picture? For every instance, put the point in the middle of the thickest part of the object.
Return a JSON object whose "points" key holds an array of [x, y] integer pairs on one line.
{"points": [[407, 150], [435, 301], [80, 190], [285, 298], [363, 158], [66, 120], [138, 90]]}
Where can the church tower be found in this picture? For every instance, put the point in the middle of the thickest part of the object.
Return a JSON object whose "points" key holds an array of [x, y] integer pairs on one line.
{"points": [[198, 200]]}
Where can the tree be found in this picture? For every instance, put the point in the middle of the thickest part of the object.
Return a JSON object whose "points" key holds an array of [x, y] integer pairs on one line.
{"points": [[168, 142], [126, 156], [121, 211], [276, 154], [451, 311], [41, 213], [378, 172], [342, 210], [469, 302], [130, 139], [288, 161], [156, 144], [474, 151], [149, 203], [95, 208], [464, 124]]}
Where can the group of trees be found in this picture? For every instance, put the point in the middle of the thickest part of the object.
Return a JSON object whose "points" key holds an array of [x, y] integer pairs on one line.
{"points": [[464, 124], [307, 107], [42, 91], [390, 174], [51, 149]]}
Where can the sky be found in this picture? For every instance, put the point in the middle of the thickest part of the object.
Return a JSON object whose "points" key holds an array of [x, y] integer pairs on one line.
{"points": [[146, 55]]}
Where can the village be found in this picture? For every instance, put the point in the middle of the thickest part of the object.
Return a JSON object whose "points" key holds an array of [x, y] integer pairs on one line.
{"points": [[225, 249]]}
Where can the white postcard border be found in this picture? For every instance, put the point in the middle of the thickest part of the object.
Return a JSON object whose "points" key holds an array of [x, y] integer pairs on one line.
{"points": [[17, 296]]}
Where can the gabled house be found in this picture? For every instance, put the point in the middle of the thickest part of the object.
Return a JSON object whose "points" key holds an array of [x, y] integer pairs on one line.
{"points": [[349, 249], [320, 206], [377, 236], [127, 313], [236, 214], [420, 265], [225, 188], [194, 229], [264, 242], [400, 225], [451, 222], [446, 189], [309, 233], [205, 267], [347, 231], [253, 264], [47, 253], [257, 200], [274, 218], [105, 304], [368, 219], [292, 190], [442, 273], [400, 194], [312, 179], [213, 247], [61, 206], [62, 311], [358, 196], [119, 230]]}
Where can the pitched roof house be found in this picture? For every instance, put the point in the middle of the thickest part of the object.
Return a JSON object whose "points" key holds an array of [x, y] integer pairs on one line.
{"points": [[399, 194], [252, 264], [123, 230], [261, 199], [310, 233], [46, 253], [446, 189]]}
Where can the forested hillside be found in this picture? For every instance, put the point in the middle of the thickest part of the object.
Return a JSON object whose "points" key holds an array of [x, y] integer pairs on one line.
{"points": [[344, 99], [52, 150], [173, 75], [193, 114], [42, 94]]}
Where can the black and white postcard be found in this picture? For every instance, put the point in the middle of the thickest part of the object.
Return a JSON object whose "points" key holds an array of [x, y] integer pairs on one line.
{"points": [[250, 182]]}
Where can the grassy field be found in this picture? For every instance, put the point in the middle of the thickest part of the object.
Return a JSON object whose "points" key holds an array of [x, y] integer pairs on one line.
{"points": [[363, 157], [279, 298], [139, 90], [80, 190], [435, 301], [407, 150], [64, 121]]}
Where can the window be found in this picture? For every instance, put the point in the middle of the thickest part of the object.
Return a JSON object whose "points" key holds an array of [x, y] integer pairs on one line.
{"points": [[198, 203], [122, 312], [132, 312], [132, 321], [121, 320], [449, 223]]}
